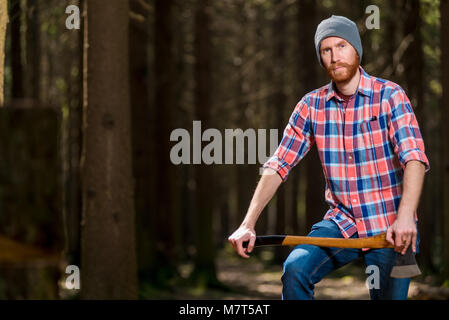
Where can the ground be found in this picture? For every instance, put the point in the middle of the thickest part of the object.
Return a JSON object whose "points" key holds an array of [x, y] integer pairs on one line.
{"points": [[254, 279]]}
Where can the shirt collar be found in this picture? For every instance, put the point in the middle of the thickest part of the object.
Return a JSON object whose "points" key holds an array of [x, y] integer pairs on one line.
{"points": [[365, 86]]}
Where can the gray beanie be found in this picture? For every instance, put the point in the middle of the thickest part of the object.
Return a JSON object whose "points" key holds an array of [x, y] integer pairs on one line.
{"points": [[338, 26]]}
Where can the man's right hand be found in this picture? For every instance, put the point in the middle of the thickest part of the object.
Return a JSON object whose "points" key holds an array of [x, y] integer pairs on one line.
{"points": [[265, 190], [242, 234]]}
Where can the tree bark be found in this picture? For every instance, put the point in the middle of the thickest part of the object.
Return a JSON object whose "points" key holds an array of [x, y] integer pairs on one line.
{"points": [[414, 79], [108, 251], [17, 82], [204, 272], [315, 205], [280, 100], [33, 51], [3, 24], [142, 140], [444, 14], [72, 197], [163, 213]]}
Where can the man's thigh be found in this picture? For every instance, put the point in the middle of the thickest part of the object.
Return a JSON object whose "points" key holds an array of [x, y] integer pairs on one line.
{"points": [[316, 262]]}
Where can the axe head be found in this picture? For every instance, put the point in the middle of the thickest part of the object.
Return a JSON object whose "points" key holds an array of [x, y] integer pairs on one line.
{"points": [[405, 266]]}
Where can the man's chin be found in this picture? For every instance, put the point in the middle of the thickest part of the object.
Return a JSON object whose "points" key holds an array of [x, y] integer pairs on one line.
{"points": [[341, 78], [342, 75]]}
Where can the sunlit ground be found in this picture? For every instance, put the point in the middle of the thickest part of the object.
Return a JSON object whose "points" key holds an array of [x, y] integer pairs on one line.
{"points": [[255, 279]]}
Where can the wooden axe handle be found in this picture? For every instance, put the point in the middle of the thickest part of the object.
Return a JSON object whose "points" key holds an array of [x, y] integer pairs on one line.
{"points": [[374, 242]]}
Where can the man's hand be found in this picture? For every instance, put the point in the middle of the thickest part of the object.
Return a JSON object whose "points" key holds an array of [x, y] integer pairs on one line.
{"points": [[403, 233], [242, 234], [265, 190]]}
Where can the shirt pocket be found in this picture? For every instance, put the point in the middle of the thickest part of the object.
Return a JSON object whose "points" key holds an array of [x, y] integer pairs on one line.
{"points": [[375, 140], [372, 133]]}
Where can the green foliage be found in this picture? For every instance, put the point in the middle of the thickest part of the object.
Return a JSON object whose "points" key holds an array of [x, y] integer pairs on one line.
{"points": [[430, 12]]}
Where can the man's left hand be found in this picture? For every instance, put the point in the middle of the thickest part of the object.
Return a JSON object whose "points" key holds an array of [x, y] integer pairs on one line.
{"points": [[403, 233]]}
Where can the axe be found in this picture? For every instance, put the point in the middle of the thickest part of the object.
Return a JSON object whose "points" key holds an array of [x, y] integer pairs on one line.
{"points": [[405, 266]]}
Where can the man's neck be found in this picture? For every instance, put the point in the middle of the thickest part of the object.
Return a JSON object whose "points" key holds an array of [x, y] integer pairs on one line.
{"points": [[349, 87]]}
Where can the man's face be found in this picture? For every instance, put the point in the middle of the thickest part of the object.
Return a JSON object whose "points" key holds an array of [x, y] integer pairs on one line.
{"points": [[339, 59]]}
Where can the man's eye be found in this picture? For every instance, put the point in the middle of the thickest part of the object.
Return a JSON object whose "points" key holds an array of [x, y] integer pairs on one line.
{"points": [[342, 46]]}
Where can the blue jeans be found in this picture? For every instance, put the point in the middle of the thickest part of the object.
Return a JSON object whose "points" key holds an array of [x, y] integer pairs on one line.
{"points": [[308, 264]]}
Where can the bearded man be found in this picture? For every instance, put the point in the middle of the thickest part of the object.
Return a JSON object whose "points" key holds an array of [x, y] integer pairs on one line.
{"points": [[373, 160]]}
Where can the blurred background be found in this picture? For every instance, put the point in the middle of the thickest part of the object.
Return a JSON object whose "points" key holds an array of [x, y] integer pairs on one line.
{"points": [[85, 121]]}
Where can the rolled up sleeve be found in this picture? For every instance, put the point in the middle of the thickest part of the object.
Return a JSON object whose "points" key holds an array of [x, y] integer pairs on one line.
{"points": [[296, 141], [404, 131]]}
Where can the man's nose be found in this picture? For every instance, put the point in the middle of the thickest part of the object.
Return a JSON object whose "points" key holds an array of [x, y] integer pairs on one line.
{"points": [[335, 57]]}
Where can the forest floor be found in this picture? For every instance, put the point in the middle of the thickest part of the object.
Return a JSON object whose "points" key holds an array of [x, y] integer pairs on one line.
{"points": [[253, 278]]}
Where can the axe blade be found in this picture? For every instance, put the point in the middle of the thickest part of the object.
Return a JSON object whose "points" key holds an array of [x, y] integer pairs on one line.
{"points": [[405, 266]]}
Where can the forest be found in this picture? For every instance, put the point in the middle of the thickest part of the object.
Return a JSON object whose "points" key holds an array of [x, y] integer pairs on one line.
{"points": [[133, 132]]}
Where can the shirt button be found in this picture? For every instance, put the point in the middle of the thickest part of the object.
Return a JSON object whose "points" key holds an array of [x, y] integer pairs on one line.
{"points": [[350, 157], [354, 200]]}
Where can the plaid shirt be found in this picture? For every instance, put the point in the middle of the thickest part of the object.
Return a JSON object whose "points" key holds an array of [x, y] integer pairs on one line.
{"points": [[363, 150]]}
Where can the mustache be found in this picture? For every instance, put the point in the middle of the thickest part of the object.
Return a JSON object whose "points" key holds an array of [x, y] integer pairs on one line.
{"points": [[339, 65]]}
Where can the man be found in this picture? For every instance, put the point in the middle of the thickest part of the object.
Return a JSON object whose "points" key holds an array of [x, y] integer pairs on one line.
{"points": [[373, 160]]}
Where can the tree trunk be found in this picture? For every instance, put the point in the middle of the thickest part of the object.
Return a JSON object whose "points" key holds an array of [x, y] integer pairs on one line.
{"points": [[392, 33], [244, 182], [74, 134], [163, 211], [3, 24], [108, 238], [33, 50], [414, 60], [444, 14], [204, 273], [414, 79], [315, 205], [280, 100], [16, 50], [263, 72], [142, 141]]}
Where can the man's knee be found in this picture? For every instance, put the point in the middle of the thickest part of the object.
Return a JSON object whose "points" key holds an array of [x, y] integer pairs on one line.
{"points": [[297, 265]]}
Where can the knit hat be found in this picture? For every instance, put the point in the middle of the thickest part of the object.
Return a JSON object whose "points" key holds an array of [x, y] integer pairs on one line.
{"points": [[338, 26]]}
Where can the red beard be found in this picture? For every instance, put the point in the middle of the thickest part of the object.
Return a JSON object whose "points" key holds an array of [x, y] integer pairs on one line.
{"points": [[345, 73]]}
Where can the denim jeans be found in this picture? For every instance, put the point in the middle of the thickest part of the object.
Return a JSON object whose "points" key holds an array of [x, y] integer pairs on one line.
{"points": [[306, 265]]}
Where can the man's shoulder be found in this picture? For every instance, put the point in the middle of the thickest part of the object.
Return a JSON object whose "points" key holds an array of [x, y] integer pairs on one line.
{"points": [[387, 87], [316, 93], [390, 92]]}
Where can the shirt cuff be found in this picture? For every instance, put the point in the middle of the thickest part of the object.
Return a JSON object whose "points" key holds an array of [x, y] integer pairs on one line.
{"points": [[414, 154], [280, 166]]}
